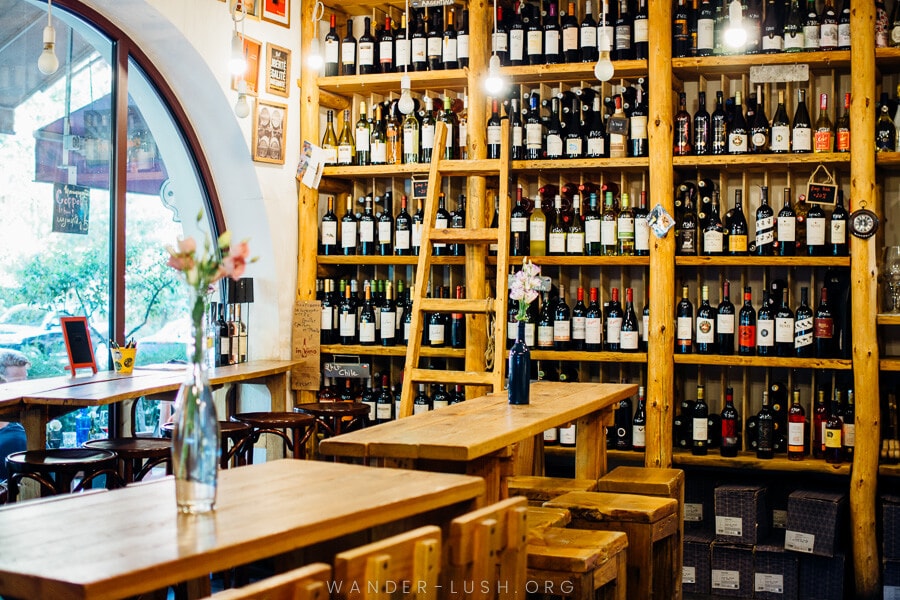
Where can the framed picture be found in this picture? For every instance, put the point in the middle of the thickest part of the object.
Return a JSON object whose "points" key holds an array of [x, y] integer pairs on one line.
{"points": [[253, 55], [277, 11], [278, 70], [269, 131], [252, 7]]}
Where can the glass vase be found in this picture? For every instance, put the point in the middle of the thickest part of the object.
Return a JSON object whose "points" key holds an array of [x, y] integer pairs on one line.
{"points": [[195, 439], [519, 383]]}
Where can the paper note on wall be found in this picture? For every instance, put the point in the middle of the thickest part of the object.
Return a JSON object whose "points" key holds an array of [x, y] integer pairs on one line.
{"points": [[305, 335]]}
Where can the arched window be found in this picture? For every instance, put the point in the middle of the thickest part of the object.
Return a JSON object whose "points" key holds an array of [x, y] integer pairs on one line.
{"points": [[98, 177]]}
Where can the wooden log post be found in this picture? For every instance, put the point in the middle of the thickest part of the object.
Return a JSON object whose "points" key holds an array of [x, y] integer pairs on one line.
{"points": [[660, 365], [864, 293], [308, 199]]}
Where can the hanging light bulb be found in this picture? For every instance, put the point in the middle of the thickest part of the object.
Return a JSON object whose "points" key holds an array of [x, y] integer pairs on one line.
{"points": [[406, 103], [47, 61], [604, 69], [495, 83], [242, 107], [238, 63], [735, 34], [314, 60]]}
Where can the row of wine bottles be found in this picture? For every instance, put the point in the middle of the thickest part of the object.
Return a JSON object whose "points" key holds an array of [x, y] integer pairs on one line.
{"points": [[383, 399], [773, 330], [778, 427], [802, 229]]}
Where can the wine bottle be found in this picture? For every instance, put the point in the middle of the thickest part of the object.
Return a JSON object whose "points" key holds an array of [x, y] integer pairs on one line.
{"points": [[737, 227], [537, 230], [386, 47], [811, 27], [731, 427], [786, 228], [714, 232], [545, 323], [780, 133], [363, 137], [574, 140], [346, 147], [842, 128], [803, 327], [639, 423], [772, 30], [618, 138], [765, 328], [765, 225], [629, 336], [823, 137], [705, 324], [579, 321], [448, 117], [348, 51], [759, 128], [793, 29], [684, 324], [562, 323], [402, 47], [815, 231], [462, 41], [411, 147], [347, 318], [706, 22], [534, 38], [699, 424], [552, 46], [386, 228], [796, 429], [682, 128], [641, 227], [434, 40], [534, 130], [441, 221], [838, 229], [557, 236], [349, 229], [427, 129], [449, 45], [701, 141], [458, 323], [587, 38], [844, 27], [828, 27], [612, 323], [437, 324], [367, 319], [593, 324], [820, 416], [365, 49], [402, 230], [592, 226], [823, 328], [623, 48], [848, 430], [686, 243], [384, 402], [719, 127], [418, 219], [329, 228], [554, 139], [641, 31], [421, 401], [801, 129], [885, 132], [738, 133], [419, 44], [517, 149], [609, 235], [784, 328], [377, 140], [625, 228], [493, 131], [834, 451], [765, 424], [329, 332], [571, 51], [575, 230], [725, 322], [747, 326], [393, 135]]}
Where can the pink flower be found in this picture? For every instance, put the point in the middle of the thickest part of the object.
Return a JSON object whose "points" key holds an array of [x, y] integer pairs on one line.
{"points": [[182, 263], [236, 261], [187, 246]]}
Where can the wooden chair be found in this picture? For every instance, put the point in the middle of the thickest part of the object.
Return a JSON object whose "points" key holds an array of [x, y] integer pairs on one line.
{"points": [[486, 556], [404, 565], [577, 563], [306, 583]]}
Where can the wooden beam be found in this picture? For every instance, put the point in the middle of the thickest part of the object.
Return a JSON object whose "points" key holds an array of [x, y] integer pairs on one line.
{"points": [[660, 366], [864, 293]]}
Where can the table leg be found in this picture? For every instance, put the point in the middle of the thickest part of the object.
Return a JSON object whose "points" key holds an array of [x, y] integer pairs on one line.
{"points": [[490, 468], [590, 444]]}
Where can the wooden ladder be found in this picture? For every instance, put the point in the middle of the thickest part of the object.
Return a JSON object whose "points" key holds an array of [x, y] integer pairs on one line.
{"points": [[494, 377]]}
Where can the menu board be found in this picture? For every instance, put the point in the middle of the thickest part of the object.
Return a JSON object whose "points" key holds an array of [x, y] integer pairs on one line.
{"points": [[306, 330], [71, 208]]}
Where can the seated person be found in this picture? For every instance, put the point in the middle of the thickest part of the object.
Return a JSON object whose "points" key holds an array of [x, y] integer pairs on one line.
{"points": [[13, 367]]}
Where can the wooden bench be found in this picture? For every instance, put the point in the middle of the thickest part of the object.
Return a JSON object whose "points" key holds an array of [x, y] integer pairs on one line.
{"points": [[651, 525], [661, 483], [576, 563], [306, 583], [541, 489], [486, 553]]}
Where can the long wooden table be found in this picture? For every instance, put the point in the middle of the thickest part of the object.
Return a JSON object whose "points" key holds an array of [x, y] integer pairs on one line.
{"points": [[476, 436], [132, 540]]}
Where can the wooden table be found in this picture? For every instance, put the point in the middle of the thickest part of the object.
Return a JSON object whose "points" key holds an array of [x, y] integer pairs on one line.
{"points": [[476, 436], [133, 540]]}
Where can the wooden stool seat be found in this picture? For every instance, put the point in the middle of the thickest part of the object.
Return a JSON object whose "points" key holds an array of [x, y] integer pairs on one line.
{"points": [[651, 525], [539, 517], [578, 562], [54, 469], [541, 489], [300, 425], [137, 456], [229, 431], [331, 415]]}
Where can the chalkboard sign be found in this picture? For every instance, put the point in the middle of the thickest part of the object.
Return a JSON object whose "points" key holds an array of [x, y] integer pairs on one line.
{"points": [[420, 189], [78, 343], [71, 208], [821, 193]]}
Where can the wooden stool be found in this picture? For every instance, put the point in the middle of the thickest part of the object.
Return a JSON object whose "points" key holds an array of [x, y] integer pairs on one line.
{"points": [[541, 489], [137, 456], [651, 525], [306, 583], [330, 417], [575, 563], [539, 517], [662, 483], [55, 469], [234, 432], [279, 423]]}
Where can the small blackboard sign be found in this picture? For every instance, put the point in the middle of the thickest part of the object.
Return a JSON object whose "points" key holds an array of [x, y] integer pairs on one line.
{"points": [[71, 208], [821, 193], [348, 370], [77, 336], [420, 189]]}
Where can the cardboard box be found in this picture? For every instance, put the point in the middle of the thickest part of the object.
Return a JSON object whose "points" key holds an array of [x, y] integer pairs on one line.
{"points": [[696, 566], [698, 502], [815, 522], [822, 578], [741, 514], [891, 580], [731, 573], [890, 527], [776, 574]]}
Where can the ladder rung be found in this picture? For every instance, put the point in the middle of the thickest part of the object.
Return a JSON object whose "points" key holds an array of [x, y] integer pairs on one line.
{"points": [[459, 168], [484, 305], [436, 376], [470, 236]]}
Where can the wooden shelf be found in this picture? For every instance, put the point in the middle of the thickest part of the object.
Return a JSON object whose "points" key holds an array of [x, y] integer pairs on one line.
{"points": [[889, 364], [360, 260], [888, 319], [889, 470], [449, 168], [840, 364], [571, 72], [887, 57], [748, 461], [693, 68], [616, 455], [763, 161], [390, 350], [763, 261], [581, 356], [390, 82], [887, 159], [572, 164], [585, 261]]}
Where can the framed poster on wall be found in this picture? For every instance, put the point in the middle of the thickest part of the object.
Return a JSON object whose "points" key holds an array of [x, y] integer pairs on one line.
{"points": [[253, 56], [277, 11], [278, 70], [269, 131]]}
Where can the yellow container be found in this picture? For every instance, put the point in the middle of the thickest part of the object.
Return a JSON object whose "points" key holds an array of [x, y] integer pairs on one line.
{"points": [[123, 360]]}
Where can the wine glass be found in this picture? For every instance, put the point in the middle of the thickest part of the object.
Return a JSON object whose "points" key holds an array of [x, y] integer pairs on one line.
{"points": [[892, 278]]}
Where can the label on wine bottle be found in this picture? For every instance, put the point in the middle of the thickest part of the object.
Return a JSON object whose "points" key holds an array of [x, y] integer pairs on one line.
{"points": [[384, 232], [802, 141], [557, 243], [803, 329], [573, 147], [784, 330], [699, 431], [780, 138], [462, 46], [765, 333], [641, 234], [499, 42], [493, 134], [401, 239], [642, 30], [448, 50], [579, 328], [567, 435], [608, 234], [725, 323], [848, 433], [737, 243], [538, 230], [435, 334], [596, 146], [433, 47], [545, 336], [535, 43], [403, 53], [645, 328], [562, 331], [327, 318], [592, 231], [383, 411], [839, 232], [344, 155], [588, 37], [787, 229], [765, 231], [815, 232], [367, 231], [554, 146], [348, 53], [706, 330], [772, 43], [570, 38], [533, 136], [832, 438], [629, 340], [684, 330], [329, 233], [551, 42], [388, 325], [638, 437], [593, 330], [366, 53], [772, 583], [623, 37], [347, 325], [614, 330], [551, 435], [737, 143], [811, 37], [331, 51], [419, 50], [828, 35], [348, 234], [712, 241], [518, 224], [575, 243], [367, 332], [823, 328], [843, 35], [529, 334], [795, 437]]}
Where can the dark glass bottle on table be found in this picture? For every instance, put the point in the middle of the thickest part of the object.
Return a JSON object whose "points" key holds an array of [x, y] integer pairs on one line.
{"points": [[731, 427], [700, 424]]}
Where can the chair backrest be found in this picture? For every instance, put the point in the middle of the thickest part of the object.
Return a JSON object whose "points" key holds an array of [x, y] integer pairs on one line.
{"points": [[486, 555], [306, 583], [404, 565]]}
